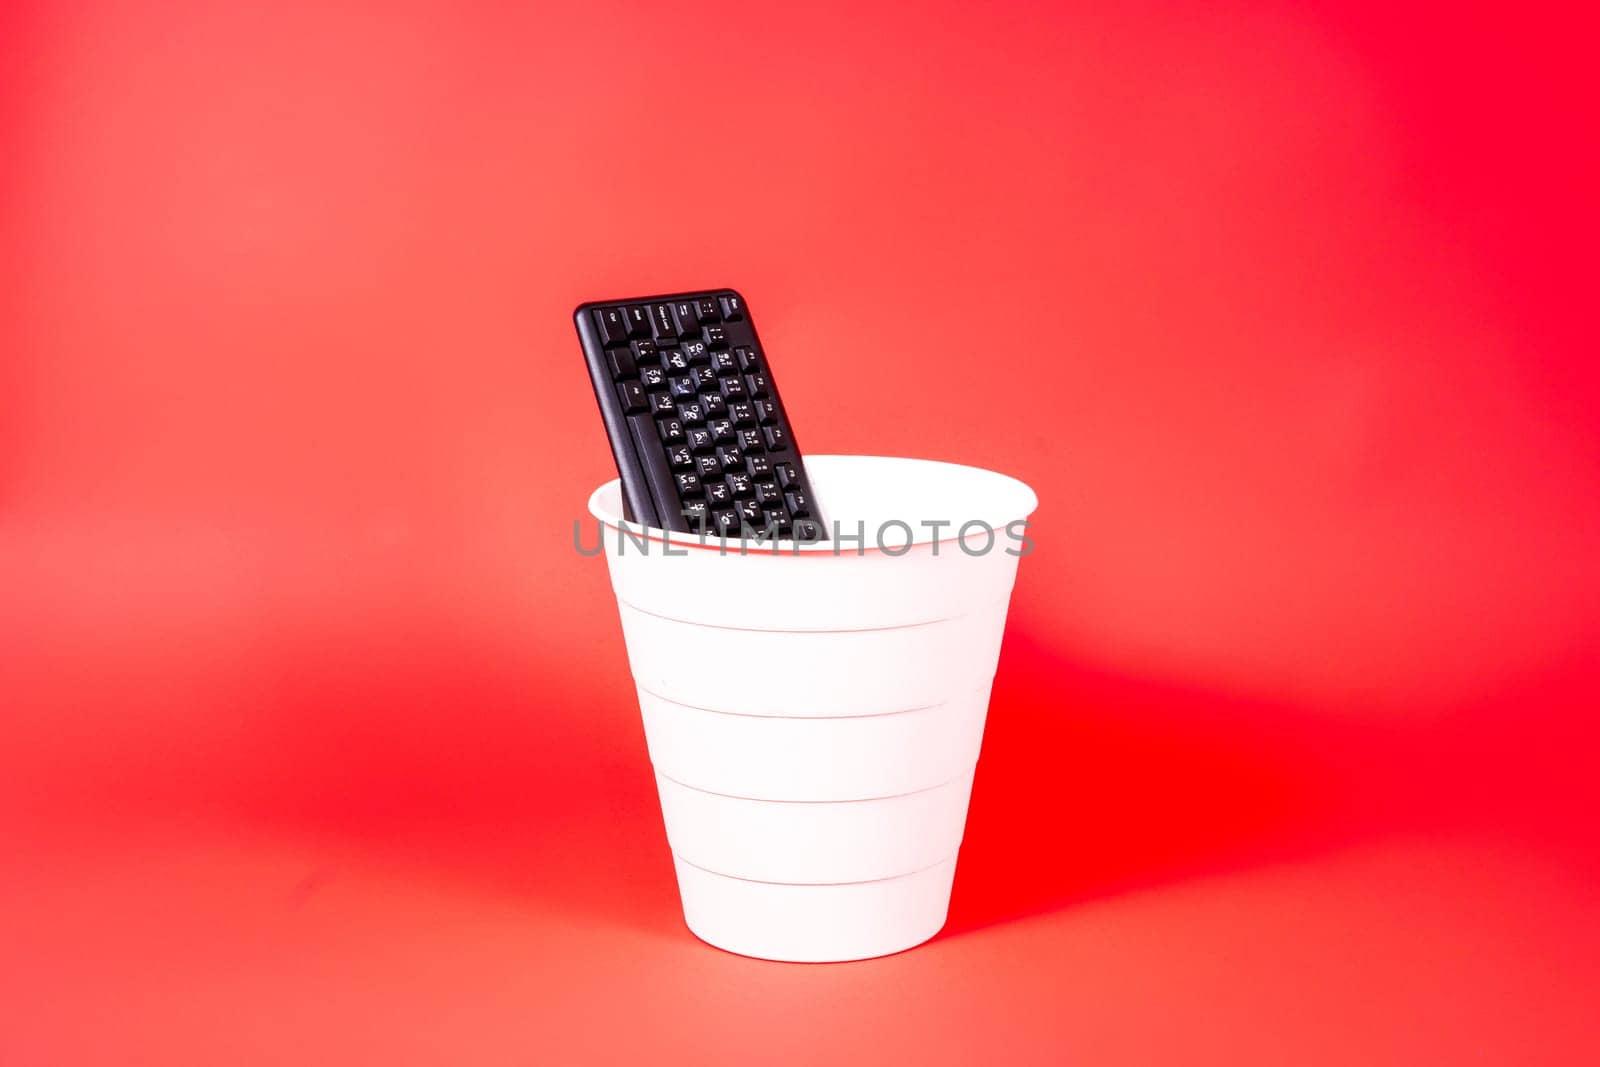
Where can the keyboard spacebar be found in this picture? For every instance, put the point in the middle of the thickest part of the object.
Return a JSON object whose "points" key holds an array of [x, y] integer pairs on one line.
{"points": [[653, 458]]}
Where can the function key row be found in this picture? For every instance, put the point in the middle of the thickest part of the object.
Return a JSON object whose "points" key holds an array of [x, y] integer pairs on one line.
{"points": [[669, 321]]}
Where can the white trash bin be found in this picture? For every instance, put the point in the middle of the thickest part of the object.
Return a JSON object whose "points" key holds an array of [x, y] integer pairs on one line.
{"points": [[814, 712]]}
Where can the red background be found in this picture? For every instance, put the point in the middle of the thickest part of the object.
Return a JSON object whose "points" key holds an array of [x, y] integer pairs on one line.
{"points": [[319, 743]]}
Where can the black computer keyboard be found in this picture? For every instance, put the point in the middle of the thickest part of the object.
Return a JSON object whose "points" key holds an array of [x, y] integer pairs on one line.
{"points": [[701, 438]]}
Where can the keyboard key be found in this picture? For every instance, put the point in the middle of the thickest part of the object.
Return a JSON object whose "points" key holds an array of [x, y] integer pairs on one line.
{"points": [[660, 404], [691, 413], [768, 493], [612, 326], [756, 383], [777, 438], [662, 324], [750, 440], [715, 336], [645, 352], [741, 484], [704, 377], [682, 386], [678, 456], [671, 429], [653, 377], [750, 514], [760, 466], [766, 412], [622, 364], [776, 520], [714, 404], [706, 308], [721, 429], [732, 308], [688, 317], [724, 362], [799, 506], [718, 492], [688, 483], [725, 523], [787, 477], [707, 466], [700, 439], [732, 459], [697, 352], [675, 361], [733, 388], [742, 412], [806, 530], [697, 512], [637, 321], [633, 397], [750, 359]]}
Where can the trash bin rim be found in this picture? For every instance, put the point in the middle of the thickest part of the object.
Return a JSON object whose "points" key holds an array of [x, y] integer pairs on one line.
{"points": [[730, 546]]}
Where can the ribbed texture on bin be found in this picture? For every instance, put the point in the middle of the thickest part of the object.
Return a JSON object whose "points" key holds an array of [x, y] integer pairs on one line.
{"points": [[815, 720]]}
